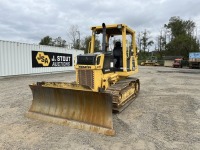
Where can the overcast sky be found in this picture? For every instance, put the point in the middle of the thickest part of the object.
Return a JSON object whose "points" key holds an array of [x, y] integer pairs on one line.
{"points": [[30, 20]]}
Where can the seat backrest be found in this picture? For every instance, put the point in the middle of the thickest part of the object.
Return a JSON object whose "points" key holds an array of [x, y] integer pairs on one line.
{"points": [[117, 51]]}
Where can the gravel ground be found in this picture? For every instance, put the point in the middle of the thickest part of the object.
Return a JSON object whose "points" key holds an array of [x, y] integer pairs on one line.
{"points": [[165, 115]]}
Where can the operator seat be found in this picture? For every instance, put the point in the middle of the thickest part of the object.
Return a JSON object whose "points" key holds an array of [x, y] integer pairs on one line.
{"points": [[117, 53]]}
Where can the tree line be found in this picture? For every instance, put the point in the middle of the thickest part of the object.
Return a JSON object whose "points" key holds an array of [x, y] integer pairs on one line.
{"points": [[178, 37], [75, 41]]}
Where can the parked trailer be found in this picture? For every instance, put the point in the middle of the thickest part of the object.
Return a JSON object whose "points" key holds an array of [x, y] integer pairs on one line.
{"points": [[194, 60]]}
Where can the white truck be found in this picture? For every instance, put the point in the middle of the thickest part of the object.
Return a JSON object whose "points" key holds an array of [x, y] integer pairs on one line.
{"points": [[194, 60]]}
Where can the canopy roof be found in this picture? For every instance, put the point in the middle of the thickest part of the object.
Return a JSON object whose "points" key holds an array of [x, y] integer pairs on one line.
{"points": [[114, 29]]}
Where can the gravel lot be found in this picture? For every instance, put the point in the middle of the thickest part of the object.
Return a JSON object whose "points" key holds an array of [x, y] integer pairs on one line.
{"points": [[165, 115]]}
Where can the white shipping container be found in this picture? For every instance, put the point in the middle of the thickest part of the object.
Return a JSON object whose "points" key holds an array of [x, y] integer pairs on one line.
{"points": [[16, 58]]}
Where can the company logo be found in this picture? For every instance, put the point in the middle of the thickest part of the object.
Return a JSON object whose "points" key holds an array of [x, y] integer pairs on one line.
{"points": [[42, 59]]}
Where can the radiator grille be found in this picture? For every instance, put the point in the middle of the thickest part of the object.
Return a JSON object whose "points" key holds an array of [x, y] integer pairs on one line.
{"points": [[86, 77]]}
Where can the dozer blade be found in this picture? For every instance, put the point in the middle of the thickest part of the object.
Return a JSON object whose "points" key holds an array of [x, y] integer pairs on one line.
{"points": [[87, 110]]}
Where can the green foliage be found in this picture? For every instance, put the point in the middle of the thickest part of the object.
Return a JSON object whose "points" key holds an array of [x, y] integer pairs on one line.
{"points": [[180, 27], [47, 40], [86, 43], [182, 39], [143, 55], [182, 45], [97, 45], [58, 42]]}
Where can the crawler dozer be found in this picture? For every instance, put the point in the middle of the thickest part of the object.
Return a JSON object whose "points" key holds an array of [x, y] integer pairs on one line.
{"points": [[152, 61], [103, 85]]}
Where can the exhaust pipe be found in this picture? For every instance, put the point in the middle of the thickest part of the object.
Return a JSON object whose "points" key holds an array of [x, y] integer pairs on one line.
{"points": [[104, 37]]}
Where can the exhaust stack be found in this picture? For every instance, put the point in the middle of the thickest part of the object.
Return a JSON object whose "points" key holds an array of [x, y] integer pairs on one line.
{"points": [[104, 37]]}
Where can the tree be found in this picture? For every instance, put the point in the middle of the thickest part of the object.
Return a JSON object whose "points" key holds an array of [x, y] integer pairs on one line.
{"points": [[139, 41], [161, 40], [74, 35], [144, 44], [183, 40], [145, 41], [86, 43], [180, 27], [47, 40], [59, 42]]}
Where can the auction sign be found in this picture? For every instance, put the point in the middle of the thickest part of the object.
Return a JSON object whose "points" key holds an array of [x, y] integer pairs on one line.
{"points": [[50, 59]]}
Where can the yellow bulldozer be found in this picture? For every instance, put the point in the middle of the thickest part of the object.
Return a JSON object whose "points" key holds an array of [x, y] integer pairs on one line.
{"points": [[102, 85], [152, 61]]}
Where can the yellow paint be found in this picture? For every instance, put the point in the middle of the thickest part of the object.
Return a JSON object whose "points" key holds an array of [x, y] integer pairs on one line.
{"points": [[102, 80]]}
